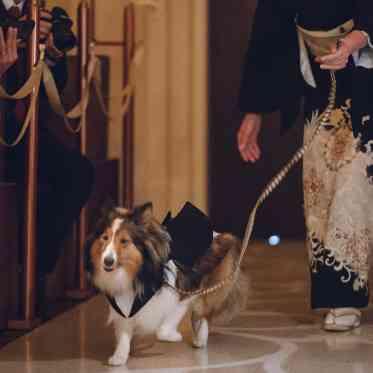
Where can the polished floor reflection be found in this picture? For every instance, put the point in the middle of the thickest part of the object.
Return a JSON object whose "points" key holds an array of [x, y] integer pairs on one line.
{"points": [[277, 334]]}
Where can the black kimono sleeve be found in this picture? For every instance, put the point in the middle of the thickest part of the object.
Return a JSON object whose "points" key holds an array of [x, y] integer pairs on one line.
{"points": [[364, 17], [271, 76]]}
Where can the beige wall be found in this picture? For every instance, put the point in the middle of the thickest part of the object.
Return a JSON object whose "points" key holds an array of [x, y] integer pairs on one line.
{"points": [[171, 98]]}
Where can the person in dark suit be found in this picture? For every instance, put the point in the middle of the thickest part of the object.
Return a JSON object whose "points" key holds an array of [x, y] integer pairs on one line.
{"points": [[65, 177]]}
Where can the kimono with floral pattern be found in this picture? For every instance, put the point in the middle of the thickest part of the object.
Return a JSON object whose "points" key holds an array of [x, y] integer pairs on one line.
{"points": [[338, 169]]}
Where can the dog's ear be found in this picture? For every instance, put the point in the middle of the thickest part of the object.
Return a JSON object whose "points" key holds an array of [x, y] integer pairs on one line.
{"points": [[143, 214], [107, 208]]}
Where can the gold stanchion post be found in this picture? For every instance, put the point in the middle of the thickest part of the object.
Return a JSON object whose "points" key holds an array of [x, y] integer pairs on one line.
{"points": [[83, 291], [127, 160], [28, 318]]}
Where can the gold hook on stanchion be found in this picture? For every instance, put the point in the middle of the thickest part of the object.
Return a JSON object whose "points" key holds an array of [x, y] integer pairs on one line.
{"points": [[28, 318]]}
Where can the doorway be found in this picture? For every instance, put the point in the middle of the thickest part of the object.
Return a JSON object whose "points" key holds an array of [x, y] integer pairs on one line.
{"points": [[233, 185]]}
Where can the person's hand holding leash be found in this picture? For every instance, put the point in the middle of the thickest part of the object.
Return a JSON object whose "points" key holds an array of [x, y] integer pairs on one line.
{"points": [[338, 59]]}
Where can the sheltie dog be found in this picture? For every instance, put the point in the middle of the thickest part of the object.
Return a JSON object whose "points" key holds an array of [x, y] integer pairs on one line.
{"points": [[128, 259]]}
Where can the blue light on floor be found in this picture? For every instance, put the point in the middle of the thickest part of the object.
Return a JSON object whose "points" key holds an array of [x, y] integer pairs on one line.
{"points": [[274, 240]]}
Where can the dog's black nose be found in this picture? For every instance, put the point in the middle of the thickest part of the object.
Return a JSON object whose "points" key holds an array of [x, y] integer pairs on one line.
{"points": [[109, 261]]}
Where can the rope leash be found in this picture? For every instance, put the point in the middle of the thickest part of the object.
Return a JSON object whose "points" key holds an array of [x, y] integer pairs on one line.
{"points": [[271, 186]]}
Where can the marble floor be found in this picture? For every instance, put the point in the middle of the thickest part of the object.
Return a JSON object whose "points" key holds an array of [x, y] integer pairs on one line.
{"points": [[276, 334]]}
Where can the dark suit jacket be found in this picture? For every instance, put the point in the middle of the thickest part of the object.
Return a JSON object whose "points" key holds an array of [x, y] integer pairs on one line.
{"points": [[17, 74], [13, 79]]}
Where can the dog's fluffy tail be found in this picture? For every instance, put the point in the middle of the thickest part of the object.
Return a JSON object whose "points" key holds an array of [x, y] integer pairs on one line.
{"points": [[223, 305]]}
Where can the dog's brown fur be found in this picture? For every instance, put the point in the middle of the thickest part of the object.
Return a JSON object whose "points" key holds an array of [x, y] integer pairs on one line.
{"points": [[221, 306], [142, 239]]}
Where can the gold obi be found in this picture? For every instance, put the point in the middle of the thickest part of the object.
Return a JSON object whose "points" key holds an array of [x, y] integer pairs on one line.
{"points": [[321, 43]]}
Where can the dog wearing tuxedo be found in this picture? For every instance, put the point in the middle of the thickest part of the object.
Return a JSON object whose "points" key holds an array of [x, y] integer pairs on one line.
{"points": [[137, 263]]}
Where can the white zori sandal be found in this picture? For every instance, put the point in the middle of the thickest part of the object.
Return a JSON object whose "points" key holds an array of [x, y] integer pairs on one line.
{"points": [[342, 319]]}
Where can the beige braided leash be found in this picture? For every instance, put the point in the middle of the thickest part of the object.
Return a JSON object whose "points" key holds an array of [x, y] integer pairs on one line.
{"points": [[271, 186]]}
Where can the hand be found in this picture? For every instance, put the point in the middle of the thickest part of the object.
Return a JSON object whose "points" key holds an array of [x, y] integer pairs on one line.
{"points": [[8, 49], [338, 59], [46, 35], [52, 51], [45, 25], [247, 137]]}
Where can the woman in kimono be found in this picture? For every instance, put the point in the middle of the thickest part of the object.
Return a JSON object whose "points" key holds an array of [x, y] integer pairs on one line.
{"points": [[287, 62]]}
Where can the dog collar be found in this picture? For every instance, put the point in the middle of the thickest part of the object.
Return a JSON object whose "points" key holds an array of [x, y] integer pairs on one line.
{"points": [[129, 305]]}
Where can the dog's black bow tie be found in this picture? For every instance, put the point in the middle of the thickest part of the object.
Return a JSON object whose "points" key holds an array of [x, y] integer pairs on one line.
{"points": [[191, 234]]}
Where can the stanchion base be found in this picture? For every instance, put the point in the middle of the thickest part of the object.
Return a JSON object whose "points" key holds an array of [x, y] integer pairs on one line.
{"points": [[79, 294], [23, 324]]}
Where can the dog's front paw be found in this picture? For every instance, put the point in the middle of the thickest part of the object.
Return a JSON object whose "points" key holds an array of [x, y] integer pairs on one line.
{"points": [[118, 359], [168, 335], [201, 333]]}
